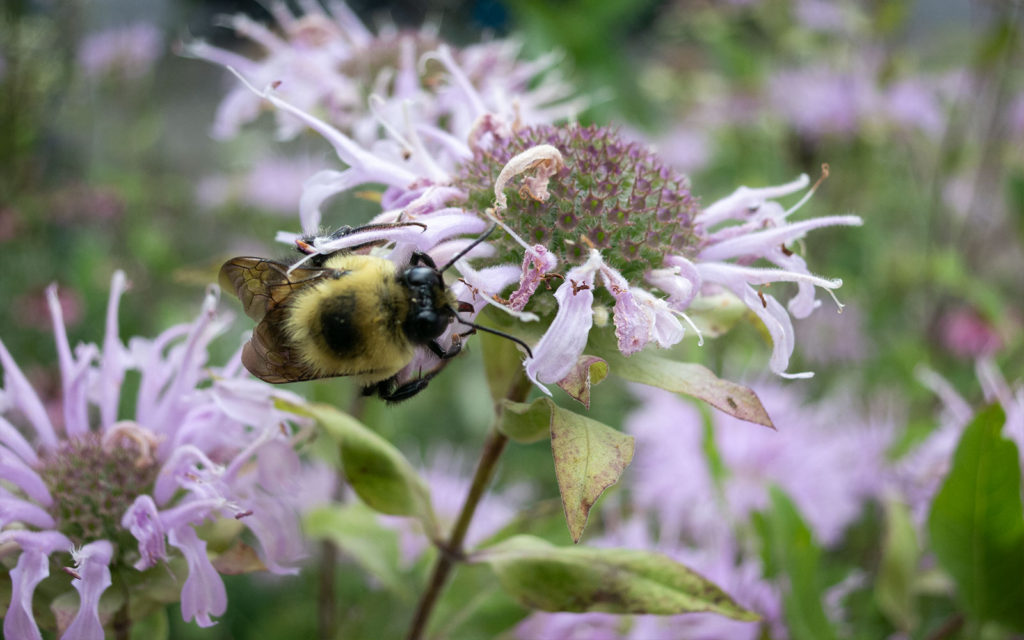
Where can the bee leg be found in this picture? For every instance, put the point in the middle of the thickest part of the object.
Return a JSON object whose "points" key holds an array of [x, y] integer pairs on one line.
{"points": [[452, 351], [418, 257], [389, 393]]}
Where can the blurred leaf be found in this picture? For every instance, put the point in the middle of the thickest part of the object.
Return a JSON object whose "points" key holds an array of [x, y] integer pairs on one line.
{"points": [[503, 365], [894, 587], [792, 552], [355, 529], [589, 458], [588, 370], [1015, 199], [377, 471], [689, 379], [543, 576], [976, 524], [526, 422], [155, 626]]}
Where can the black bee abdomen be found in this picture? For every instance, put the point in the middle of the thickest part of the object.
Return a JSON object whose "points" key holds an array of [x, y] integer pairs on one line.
{"points": [[339, 325]]}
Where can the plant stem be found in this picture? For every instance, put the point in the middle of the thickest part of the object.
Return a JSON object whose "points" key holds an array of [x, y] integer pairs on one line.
{"points": [[452, 551], [327, 622]]}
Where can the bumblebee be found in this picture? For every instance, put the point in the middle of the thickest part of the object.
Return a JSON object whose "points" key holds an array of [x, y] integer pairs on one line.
{"points": [[348, 314]]}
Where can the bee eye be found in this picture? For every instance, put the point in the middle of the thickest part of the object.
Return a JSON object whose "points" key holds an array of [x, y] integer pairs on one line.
{"points": [[421, 275], [427, 325]]}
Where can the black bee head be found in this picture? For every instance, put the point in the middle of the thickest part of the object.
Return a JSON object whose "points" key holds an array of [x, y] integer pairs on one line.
{"points": [[429, 311]]}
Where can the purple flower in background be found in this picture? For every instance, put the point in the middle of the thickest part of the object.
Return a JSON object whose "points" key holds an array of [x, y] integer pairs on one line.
{"points": [[834, 338], [821, 101], [273, 184], [331, 65], [99, 490], [129, 52], [830, 468]]}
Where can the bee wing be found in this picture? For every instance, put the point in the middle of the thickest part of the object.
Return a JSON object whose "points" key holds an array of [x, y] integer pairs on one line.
{"points": [[263, 284], [267, 357]]}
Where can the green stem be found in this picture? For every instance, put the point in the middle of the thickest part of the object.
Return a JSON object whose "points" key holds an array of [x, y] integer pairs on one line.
{"points": [[452, 551]]}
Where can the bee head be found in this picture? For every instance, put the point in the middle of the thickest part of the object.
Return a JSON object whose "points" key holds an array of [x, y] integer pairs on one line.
{"points": [[429, 312]]}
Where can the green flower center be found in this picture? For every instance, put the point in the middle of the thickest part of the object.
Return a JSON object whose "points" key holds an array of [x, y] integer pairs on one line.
{"points": [[92, 486], [614, 195]]}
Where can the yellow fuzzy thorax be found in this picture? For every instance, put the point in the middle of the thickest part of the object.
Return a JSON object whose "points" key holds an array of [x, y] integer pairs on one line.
{"points": [[366, 303]]}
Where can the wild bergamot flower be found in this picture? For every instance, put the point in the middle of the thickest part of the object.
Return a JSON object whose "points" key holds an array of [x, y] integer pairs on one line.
{"points": [[101, 493], [621, 231]]}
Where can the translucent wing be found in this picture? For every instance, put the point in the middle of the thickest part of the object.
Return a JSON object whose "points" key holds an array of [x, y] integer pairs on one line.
{"points": [[263, 285], [268, 356]]}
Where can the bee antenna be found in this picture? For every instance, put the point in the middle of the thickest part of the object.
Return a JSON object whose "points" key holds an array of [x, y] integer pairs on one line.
{"points": [[469, 248], [497, 333]]}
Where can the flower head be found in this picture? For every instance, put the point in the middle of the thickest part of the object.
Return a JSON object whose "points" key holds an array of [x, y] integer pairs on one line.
{"points": [[621, 229], [112, 489]]}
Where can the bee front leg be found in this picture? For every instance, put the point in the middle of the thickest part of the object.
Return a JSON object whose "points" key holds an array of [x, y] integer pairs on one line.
{"points": [[444, 354], [390, 393], [418, 257]]}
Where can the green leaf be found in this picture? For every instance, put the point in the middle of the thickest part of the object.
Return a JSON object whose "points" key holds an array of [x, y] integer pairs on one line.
{"points": [[503, 364], [356, 530], [589, 370], [689, 379], [894, 588], [526, 422], [542, 576], [377, 471], [589, 458], [976, 523], [792, 551]]}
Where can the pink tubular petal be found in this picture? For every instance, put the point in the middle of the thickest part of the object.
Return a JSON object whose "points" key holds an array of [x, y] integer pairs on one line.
{"points": [[536, 263], [632, 323], [760, 243], [143, 521], [318, 188], [19, 622], [780, 327], [33, 566], [114, 359], [92, 564], [666, 330], [76, 420], [22, 396], [15, 471], [740, 202], [16, 510], [203, 593], [11, 438], [562, 344], [276, 526], [348, 151]]}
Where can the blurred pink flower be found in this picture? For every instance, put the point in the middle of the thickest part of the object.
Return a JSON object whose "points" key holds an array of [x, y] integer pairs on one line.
{"points": [[128, 52], [967, 335]]}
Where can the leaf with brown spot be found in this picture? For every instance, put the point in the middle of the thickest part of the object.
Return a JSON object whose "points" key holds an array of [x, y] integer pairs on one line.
{"points": [[689, 379], [589, 458], [588, 371], [578, 579]]}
